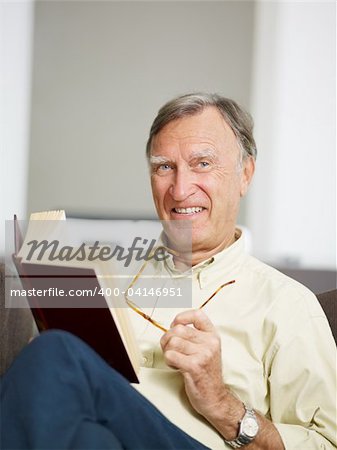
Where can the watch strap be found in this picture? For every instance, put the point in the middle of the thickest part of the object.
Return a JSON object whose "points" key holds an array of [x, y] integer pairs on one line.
{"points": [[242, 439]]}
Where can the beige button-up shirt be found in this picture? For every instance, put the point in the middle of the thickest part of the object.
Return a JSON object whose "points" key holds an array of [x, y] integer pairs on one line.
{"points": [[278, 352]]}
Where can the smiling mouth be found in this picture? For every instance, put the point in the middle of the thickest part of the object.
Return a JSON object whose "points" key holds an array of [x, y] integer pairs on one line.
{"points": [[192, 210]]}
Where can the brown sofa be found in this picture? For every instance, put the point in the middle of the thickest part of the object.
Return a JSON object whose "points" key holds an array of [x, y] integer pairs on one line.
{"points": [[328, 301], [16, 327]]}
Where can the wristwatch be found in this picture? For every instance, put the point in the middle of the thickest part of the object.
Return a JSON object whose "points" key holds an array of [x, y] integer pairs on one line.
{"points": [[248, 430]]}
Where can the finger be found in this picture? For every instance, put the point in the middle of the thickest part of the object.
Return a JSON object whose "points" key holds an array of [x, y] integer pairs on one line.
{"points": [[180, 345], [179, 361], [183, 331], [195, 317]]}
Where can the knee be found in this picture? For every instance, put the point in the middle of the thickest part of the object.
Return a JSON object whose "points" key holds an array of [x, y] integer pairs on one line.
{"points": [[52, 345], [51, 341], [64, 350], [55, 349], [49, 350]]}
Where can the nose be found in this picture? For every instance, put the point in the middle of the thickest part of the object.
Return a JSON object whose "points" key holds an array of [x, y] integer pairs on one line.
{"points": [[183, 185]]}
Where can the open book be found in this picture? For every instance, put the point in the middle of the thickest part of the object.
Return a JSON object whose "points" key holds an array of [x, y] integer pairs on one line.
{"points": [[99, 318]]}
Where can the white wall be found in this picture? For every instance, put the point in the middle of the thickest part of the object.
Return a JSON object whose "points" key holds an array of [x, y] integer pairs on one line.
{"points": [[101, 71], [16, 24], [292, 205]]}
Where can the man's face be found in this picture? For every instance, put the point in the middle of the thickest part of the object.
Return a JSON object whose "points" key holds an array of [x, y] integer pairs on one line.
{"points": [[196, 175]]}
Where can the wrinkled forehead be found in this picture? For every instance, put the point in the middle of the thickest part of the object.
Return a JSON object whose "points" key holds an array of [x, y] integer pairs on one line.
{"points": [[205, 131]]}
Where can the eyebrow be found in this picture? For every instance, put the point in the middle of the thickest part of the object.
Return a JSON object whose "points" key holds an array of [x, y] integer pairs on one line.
{"points": [[198, 154], [154, 160]]}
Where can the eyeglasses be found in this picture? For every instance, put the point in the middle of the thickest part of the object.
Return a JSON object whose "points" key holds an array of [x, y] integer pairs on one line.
{"points": [[138, 310]]}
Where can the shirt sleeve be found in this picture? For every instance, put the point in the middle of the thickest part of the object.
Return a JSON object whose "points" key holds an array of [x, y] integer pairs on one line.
{"points": [[302, 383]]}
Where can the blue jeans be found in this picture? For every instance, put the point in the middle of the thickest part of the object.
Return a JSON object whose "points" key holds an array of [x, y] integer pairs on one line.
{"points": [[59, 394]]}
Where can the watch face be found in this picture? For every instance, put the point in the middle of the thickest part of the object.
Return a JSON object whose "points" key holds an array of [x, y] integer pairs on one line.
{"points": [[250, 427]]}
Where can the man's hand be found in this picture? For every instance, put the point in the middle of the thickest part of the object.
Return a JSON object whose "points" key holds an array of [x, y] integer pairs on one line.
{"points": [[196, 352]]}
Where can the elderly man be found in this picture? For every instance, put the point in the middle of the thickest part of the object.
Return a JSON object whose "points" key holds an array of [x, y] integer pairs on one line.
{"points": [[254, 367]]}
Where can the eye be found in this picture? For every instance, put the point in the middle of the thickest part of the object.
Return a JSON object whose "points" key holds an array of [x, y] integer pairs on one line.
{"points": [[204, 164], [164, 167]]}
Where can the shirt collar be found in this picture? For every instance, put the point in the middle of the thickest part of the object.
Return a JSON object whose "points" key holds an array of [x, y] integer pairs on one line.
{"points": [[222, 265]]}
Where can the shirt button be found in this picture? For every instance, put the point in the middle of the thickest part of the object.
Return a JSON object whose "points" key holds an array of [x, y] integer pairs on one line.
{"points": [[147, 359]]}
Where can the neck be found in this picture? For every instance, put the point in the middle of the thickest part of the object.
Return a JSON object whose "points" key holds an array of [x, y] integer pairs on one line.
{"points": [[186, 260], [203, 255]]}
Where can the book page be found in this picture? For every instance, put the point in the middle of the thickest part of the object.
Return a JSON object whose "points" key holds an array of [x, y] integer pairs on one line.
{"points": [[45, 225]]}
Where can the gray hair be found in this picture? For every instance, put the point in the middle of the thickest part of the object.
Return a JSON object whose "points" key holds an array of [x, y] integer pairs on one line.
{"points": [[239, 120]]}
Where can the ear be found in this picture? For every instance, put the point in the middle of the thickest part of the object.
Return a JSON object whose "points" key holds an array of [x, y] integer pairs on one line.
{"points": [[247, 173]]}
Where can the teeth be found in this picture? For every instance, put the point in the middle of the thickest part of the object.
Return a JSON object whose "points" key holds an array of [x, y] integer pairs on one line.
{"points": [[194, 209]]}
